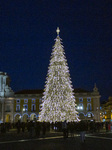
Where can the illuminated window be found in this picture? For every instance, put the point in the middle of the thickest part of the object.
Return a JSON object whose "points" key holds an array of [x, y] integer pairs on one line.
{"points": [[33, 100], [25, 100], [88, 99], [89, 115], [103, 120], [25, 107], [18, 101], [80, 99], [80, 107]]}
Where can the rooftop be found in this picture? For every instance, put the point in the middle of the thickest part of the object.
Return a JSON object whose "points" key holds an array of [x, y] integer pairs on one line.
{"points": [[40, 91]]}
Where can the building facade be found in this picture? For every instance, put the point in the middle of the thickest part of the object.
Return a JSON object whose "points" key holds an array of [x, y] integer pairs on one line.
{"points": [[6, 99], [106, 110], [88, 104], [25, 105]]}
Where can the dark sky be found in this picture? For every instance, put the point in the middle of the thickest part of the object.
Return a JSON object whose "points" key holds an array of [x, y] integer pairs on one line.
{"points": [[27, 33]]}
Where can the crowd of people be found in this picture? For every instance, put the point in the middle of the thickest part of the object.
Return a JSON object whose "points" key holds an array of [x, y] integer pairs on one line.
{"points": [[40, 128], [33, 128]]}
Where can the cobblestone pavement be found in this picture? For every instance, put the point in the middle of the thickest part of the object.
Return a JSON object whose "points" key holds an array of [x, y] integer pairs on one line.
{"points": [[55, 141], [12, 135], [59, 144]]}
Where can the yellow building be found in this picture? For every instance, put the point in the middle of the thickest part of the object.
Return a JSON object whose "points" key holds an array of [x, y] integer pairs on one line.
{"points": [[106, 113], [25, 105], [88, 104]]}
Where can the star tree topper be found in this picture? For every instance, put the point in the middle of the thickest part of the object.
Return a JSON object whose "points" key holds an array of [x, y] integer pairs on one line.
{"points": [[58, 31]]}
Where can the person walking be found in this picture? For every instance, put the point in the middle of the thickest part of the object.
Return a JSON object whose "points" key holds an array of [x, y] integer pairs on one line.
{"points": [[37, 129], [64, 128], [43, 129], [82, 128]]}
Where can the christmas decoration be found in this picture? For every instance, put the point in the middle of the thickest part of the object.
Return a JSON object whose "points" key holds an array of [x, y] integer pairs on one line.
{"points": [[58, 100]]}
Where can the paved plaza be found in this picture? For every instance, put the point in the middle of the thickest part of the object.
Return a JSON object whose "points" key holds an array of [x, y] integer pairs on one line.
{"points": [[55, 141]]}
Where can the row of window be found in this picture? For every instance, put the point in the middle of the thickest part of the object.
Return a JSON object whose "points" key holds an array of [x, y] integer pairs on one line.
{"points": [[80, 107], [83, 116], [25, 107], [33, 100], [88, 99], [25, 101]]}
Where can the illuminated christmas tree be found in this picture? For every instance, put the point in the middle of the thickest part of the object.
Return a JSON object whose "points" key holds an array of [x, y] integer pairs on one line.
{"points": [[58, 100]]}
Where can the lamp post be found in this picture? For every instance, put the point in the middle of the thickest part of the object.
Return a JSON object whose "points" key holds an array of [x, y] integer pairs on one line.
{"points": [[97, 114]]}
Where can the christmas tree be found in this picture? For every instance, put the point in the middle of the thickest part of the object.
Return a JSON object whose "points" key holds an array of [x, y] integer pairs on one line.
{"points": [[58, 100]]}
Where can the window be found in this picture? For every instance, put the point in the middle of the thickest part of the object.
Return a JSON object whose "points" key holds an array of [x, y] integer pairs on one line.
{"points": [[89, 106], [25, 108], [80, 99], [89, 115], [33, 107], [17, 108], [18, 101], [8, 108], [88, 99], [80, 107], [25, 100], [33, 100]]}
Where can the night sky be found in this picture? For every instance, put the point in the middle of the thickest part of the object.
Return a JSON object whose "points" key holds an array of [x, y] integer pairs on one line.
{"points": [[27, 33]]}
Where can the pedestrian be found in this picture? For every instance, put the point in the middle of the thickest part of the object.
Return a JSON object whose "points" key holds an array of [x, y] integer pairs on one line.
{"points": [[82, 128], [71, 129], [31, 129], [106, 125], [18, 127], [64, 128], [37, 129], [23, 127], [43, 129]]}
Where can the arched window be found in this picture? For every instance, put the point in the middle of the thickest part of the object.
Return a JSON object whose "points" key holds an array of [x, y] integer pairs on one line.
{"points": [[17, 108], [33, 107], [25, 107], [89, 115], [80, 107], [81, 116], [89, 106]]}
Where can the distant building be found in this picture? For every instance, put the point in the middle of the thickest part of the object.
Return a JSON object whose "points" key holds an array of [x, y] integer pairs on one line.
{"points": [[88, 104], [106, 111], [6, 99], [25, 105]]}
